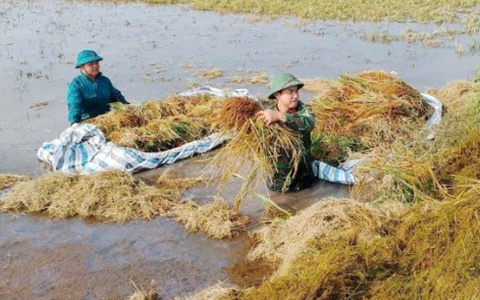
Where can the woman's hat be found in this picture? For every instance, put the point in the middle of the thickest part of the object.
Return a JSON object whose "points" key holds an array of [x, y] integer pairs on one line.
{"points": [[283, 81], [86, 56]]}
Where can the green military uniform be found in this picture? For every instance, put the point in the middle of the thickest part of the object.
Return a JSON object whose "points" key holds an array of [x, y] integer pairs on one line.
{"points": [[302, 122]]}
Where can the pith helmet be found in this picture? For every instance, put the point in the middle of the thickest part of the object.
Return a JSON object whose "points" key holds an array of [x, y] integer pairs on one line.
{"points": [[283, 81], [86, 56]]}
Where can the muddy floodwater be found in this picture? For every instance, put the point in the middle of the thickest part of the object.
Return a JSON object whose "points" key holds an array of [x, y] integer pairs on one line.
{"points": [[151, 52]]}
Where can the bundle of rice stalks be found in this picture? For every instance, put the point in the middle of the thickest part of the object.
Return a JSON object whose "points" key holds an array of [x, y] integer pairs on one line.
{"points": [[332, 250], [120, 116], [399, 173], [429, 250], [168, 182], [421, 169], [253, 154], [106, 196], [216, 219], [455, 95], [440, 255], [235, 112], [159, 125], [366, 110], [163, 134], [8, 180], [322, 223]]}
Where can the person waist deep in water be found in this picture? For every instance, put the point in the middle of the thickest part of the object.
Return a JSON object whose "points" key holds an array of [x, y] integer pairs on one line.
{"points": [[291, 112], [90, 93]]}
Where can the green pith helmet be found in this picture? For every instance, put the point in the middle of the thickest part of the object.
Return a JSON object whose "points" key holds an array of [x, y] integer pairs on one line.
{"points": [[86, 56], [283, 81]]}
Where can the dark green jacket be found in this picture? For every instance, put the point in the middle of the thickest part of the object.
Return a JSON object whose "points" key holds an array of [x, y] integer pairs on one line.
{"points": [[88, 98], [302, 122]]}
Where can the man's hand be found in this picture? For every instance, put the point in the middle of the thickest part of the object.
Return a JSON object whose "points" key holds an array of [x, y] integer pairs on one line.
{"points": [[270, 116]]}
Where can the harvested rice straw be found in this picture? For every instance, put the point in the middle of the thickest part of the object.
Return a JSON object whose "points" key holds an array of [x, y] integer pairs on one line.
{"points": [[235, 112], [398, 173], [219, 291], [159, 125], [370, 109], [119, 117], [141, 294], [8, 180], [330, 250], [281, 243], [156, 109], [439, 250], [216, 219], [159, 134], [168, 182], [106, 196], [259, 146], [455, 95]]}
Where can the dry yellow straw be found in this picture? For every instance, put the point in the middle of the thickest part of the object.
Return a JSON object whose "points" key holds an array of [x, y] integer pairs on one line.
{"points": [[106, 196], [8, 180], [216, 219]]}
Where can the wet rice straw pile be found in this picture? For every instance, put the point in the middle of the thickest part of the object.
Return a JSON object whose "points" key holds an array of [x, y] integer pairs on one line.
{"points": [[117, 196], [343, 249], [425, 169], [215, 218], [254, 148], [105, 196], [159, 125], [8, 180], [364, 111]]}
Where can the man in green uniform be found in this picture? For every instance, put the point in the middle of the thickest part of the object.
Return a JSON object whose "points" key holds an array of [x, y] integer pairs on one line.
{"points": [[291, 112]]}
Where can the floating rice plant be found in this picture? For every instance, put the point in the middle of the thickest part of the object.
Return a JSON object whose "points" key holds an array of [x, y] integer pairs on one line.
{"points": [[8, 180], [216, 218], [106, 196]]}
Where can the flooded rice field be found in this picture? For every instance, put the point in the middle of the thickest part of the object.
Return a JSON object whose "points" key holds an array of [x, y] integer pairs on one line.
{"points": [[151, 52]]}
